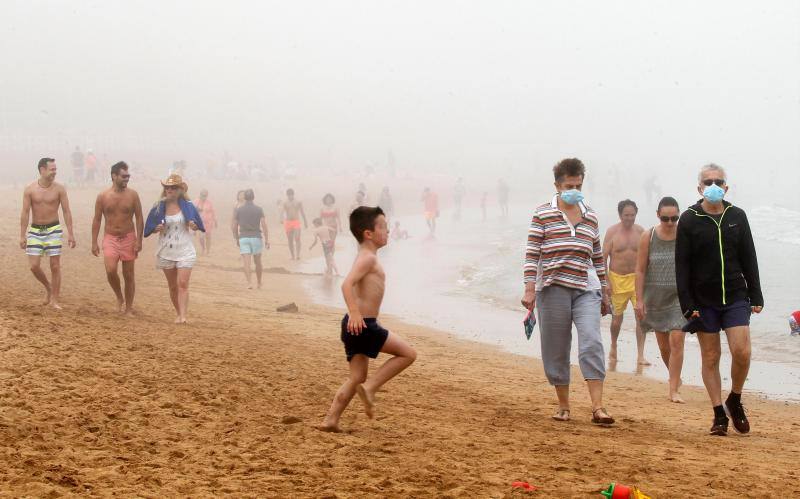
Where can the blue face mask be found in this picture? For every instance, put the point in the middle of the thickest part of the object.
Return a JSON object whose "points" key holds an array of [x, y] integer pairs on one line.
{"points": [[713, 193], [572, 196]]}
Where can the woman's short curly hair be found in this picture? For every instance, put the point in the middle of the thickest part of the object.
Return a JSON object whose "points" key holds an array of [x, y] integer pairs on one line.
{"points": [[570, 167]]}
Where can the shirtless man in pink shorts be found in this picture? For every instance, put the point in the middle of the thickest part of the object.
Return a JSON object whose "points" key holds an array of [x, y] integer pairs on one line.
{"points": [[291, 212], [121, 240]]}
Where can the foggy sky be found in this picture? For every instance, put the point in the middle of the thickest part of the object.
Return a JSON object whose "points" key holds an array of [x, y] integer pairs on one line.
{"points": [[472, 85]]}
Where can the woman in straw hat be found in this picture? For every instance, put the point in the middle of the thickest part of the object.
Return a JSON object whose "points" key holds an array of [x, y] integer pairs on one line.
{"points": [[173, 218]]}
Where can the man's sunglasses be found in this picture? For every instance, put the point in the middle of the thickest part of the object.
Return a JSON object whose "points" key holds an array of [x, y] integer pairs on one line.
{"points": [[666, 219], [718, 181], [171, 187], [125, 176]]}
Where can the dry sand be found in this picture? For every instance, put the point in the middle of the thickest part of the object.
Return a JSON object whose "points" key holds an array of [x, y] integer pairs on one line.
{"points": [[93, 403]]}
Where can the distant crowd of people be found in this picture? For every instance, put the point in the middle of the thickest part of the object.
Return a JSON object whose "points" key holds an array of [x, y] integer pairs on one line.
{"points": [[84, 167]]}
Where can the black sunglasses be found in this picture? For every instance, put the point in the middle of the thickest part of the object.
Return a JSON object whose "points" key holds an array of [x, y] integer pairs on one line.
{"points": [[666, 219], [171, 187], [718, 181]]}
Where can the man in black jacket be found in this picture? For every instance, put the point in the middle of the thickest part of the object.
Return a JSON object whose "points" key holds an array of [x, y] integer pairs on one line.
{"points": [[718, 287]]}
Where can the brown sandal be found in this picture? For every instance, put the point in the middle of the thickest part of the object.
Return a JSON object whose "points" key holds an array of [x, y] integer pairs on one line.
{"points": [[561, 415], [603, 420]]}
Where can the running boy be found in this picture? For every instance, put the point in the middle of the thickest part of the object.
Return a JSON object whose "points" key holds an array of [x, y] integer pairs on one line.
{"points": [[362, 336]]}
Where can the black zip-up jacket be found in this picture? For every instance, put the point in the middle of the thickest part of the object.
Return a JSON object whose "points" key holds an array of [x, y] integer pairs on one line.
{"points": [[715, 262]]}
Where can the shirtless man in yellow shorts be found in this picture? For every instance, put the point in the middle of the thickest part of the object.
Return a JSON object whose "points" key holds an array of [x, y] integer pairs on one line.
{"points": [[621, 244]]}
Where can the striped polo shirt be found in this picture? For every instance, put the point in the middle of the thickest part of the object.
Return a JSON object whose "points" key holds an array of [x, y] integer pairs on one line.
{"points": [[558, 253]]}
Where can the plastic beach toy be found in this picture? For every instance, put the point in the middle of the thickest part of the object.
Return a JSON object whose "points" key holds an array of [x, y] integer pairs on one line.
{"points": [[619, 491], [523, 485]]}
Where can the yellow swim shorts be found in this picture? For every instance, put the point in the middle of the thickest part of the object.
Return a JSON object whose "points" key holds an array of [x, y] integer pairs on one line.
{"points": [[624, 291]]}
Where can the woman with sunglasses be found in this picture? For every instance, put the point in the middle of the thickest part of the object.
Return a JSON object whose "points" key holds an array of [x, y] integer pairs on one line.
{"points": [[657, 306], [173, 218]]}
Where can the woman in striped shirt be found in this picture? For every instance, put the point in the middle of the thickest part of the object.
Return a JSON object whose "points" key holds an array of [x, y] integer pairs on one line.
{"points": [[564, 273]]}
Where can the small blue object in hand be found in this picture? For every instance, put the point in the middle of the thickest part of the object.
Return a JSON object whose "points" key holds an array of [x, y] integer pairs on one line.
{"points": [[529, 322]]}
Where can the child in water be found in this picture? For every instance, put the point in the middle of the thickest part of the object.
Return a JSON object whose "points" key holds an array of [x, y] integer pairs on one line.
{"points": [[325, 235], [794, 323], [398, 233]]}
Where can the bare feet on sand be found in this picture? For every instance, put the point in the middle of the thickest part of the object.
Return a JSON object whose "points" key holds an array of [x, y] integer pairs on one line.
{"points": [[181, 320], [329, 428], [368, 400], [121, 307], [612, 354], [129, 313], [49, 300], [676, 397], [644, 362]]}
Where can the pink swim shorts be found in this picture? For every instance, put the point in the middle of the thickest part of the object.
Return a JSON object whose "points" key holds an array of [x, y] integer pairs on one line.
{"points": [[120, 247]]}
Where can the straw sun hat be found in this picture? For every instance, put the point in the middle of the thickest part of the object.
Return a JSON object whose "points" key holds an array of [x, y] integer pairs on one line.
{"points": [[175, 179]]}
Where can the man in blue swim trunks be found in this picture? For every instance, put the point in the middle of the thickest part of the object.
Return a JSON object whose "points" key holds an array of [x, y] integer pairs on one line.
{"points": [[249, 230]]}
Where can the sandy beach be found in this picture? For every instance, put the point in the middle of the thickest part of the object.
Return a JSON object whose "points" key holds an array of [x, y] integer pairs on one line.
{"points": [[92, 403]]}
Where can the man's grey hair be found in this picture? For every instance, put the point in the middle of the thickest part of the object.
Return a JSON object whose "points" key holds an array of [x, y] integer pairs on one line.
{"points": [[711, 167]]}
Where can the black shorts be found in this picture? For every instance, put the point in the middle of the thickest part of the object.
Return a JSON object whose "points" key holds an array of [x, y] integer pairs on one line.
{"points": [[714, 319], [369, 342]]}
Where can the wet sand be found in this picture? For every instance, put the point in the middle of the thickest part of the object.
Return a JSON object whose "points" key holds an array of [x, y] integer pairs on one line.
{"points": [[93, 403]]}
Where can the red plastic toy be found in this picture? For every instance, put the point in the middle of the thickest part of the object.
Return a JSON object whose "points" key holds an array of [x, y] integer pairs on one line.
{"points": [[523, 486], [617, 491]]}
